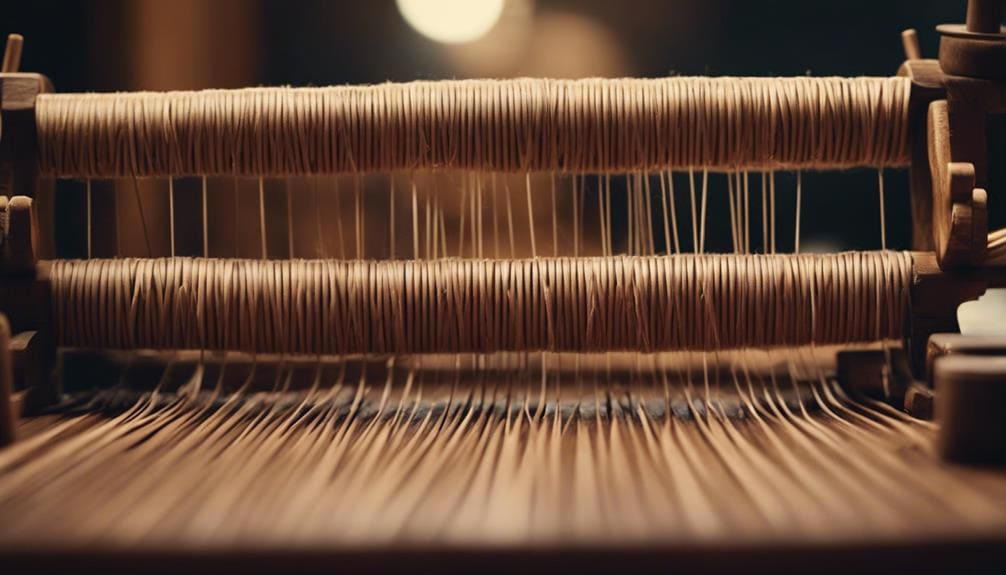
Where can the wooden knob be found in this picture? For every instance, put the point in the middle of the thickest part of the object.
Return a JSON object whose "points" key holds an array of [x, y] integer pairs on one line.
{"points": [[971, 397], [984, 16], [910, 42], [12, 54]]}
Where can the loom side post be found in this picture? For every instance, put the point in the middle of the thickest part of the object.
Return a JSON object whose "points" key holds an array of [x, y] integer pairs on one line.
{"points": [[949, 162], [927, 87], [25, 294], [26, 300], [18, 146], [965, 375], [951, 100]]}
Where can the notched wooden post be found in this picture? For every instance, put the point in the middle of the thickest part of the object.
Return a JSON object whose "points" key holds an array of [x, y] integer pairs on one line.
{"points": [[25, 294], [26, 300]]}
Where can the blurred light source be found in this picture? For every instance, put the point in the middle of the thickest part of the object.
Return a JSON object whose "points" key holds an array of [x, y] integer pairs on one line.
{"points": [[451, 21]]}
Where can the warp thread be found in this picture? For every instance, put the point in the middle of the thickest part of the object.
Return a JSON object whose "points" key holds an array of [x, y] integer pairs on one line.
{"points": [[593, 125], [456, 305]]}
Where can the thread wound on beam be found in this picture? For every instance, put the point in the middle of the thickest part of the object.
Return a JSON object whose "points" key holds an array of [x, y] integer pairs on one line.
{"points": [[594, 125], [454, 305]]}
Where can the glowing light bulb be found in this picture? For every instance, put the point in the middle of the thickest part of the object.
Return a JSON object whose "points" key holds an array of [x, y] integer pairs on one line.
{"points": [[451, 21]]}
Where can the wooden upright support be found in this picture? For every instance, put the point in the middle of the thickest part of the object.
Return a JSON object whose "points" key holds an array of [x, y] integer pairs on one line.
{"points": [[951, 100], [26, 300], [28, 350]]}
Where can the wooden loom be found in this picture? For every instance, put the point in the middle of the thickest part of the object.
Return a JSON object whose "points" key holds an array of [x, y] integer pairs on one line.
{"points": [[651, 316]]}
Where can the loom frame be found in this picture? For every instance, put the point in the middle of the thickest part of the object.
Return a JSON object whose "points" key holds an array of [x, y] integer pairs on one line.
{"points": [[948, 176], [950, 100]]}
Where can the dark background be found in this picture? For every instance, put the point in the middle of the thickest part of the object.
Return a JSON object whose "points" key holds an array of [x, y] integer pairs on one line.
{"points": [[87, 45], [108, 45]]}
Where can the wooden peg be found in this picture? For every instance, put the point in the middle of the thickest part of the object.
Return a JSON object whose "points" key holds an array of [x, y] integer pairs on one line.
{"points": [[984, 16], [21, 241], [12, 54], [7, 415], [910, 42], [971, 395]]}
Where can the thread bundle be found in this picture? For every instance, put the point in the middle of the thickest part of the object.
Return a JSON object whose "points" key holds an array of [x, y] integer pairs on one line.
{"points": [[593, 125], [497, 460], [572, 304]]}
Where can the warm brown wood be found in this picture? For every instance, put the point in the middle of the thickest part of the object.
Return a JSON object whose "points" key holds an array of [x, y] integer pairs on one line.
{"points": [[25, 294], [878, 373], [942, 344], [955, 130], [19, 90], [984, 16], [979, 226], [18, 152], [972, 392], [973, 54], [25, 298], [967, 78], [4, 201], [910, 42], [958, 207], [927, 86], [936, 295], [26, 301], [31, 373], [18, 155], [20, 245], [935, 291], [7, 415], [12, 54]]}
